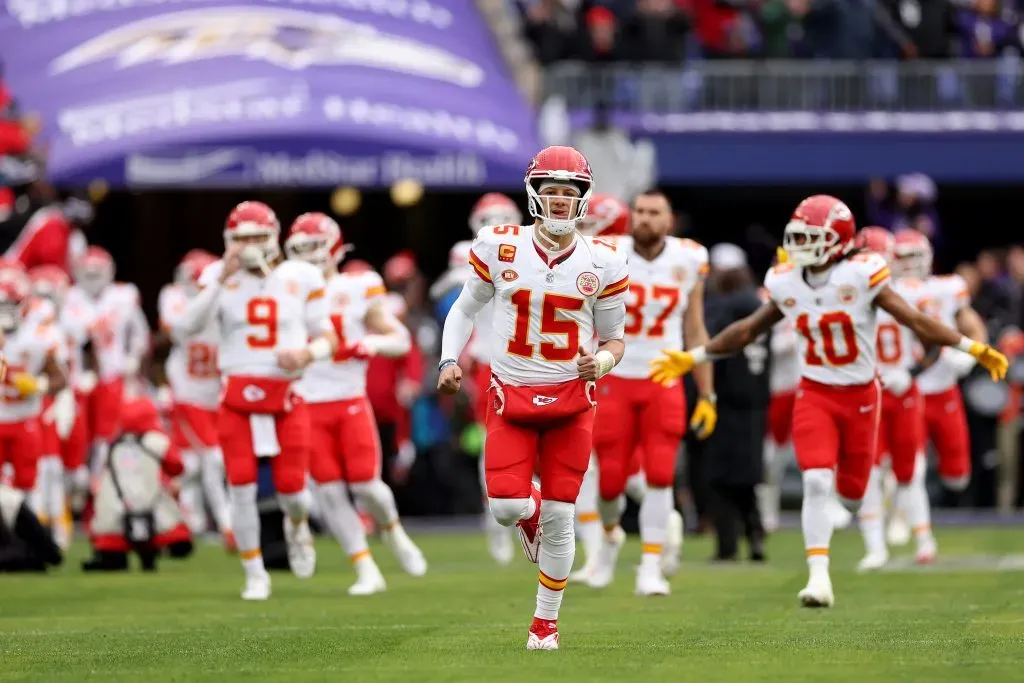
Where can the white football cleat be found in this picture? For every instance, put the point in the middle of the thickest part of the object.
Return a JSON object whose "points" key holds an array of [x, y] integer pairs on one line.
{"points": [[604, 569], [301, 552], [927, 550], [499, 545], [583, 574], [529, 530], [873, 561], [672, 553], [257, 587], [548, 642], [898, 532], [369, 580], [649, 581], [408, 554], [818, 592]]}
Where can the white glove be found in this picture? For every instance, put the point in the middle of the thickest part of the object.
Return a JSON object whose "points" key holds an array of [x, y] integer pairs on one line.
{"points": [[87, 381], [897, 382], [962, 363], [62, 413], [131, 366]]}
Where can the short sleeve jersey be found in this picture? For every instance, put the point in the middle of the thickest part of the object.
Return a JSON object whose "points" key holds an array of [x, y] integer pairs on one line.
{"points": [[349, 298], [544, 307], [659, 293], [836, 323], [192, 363], [944, 296]]}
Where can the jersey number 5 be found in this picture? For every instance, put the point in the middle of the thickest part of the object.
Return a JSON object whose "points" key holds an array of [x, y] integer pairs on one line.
{"points": [[829, 325], [261, 311], [635, 311], [550, 323]]}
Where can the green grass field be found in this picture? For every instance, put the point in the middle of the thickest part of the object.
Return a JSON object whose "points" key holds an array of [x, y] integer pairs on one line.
{"points": [[467, 621]]}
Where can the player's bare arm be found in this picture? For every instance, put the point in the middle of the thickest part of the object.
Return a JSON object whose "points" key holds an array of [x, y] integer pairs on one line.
{"points": [[970, 324], [931, 332], [56, 377], [387, 335], [742, 333], [695, 332]]}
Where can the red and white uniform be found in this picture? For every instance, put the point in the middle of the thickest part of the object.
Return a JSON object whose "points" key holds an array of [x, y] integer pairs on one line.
{"points": [[192, 374], [901, 431], [261, 415], [544, 311], [25, 350], [637, 416], [945, 418], [838, 403], [115, 324], [346, 445]]}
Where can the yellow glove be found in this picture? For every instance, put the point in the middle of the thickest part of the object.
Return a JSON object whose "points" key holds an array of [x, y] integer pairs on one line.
{"points": [[705, 417], [670, 366], [781, 256], [26, 384], [990, 359]]}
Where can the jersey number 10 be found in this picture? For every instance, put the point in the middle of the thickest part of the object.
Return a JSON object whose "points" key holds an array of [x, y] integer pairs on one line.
{"points": [[829, 325]]}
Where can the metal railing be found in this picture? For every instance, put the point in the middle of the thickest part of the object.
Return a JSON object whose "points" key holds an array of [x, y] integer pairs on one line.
{"points": [[792, 86]]}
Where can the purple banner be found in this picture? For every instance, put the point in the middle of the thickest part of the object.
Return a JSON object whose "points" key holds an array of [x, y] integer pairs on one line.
{"points": [[120, 85]]}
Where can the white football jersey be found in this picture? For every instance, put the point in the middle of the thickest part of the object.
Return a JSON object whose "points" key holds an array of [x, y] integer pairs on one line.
{"points": [[259, 317], [349, 298], [544, 313], [897, 345], [944, 296], [836, 322], [108, 322], [659, 293], [785, 374], [26, 350], [192, 364]]}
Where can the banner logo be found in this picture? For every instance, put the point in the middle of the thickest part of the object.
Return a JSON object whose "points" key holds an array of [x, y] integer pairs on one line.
{"points": [[290, 39]]}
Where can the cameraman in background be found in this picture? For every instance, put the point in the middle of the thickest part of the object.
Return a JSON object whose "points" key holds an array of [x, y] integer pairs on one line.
{"points": [[734, 453]]}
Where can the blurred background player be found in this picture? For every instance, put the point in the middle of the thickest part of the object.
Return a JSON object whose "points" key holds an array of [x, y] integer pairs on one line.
{"points": [[664, 309], [109, 315], [273, 322], [193, 376], [832, 291], [734, 452], [33, 358], [62, 426], [541, 402], [901, 429], [346, 454]]}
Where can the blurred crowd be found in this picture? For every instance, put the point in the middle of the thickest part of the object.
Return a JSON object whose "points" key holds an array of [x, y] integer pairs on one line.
{"points": [[671, 31]]}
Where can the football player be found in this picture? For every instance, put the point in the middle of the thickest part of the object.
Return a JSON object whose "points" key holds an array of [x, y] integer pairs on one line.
{"points": [[554, 294], [347, 452], [272, 318], [832, 293]]}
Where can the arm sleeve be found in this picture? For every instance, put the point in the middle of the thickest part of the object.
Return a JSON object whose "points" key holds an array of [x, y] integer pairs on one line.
{"points": [[878, 275], [458, 326], [317, 311], [610, 321], [200, 308]]}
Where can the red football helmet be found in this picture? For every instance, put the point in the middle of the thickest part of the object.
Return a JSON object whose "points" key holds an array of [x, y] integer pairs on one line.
{"points": [[877, 240], [458, 255], [192, 266], [494, 208], [356, 266], [317, 239], [400, 268], [913, 254], [95, 270], [14, 291], [559, 167], [254, 223], [606, 215], [49, 282], [821, 230]]}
